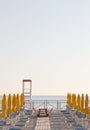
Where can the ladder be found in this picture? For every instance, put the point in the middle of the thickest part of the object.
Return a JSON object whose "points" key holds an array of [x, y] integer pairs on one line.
{"points": [[27, 91]]}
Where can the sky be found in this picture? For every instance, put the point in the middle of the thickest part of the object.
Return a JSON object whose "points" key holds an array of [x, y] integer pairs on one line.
{"points": [[47, 41]]}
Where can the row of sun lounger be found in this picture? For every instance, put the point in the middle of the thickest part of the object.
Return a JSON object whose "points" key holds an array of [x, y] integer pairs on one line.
{"points": [[57, 120], [17, 121]]}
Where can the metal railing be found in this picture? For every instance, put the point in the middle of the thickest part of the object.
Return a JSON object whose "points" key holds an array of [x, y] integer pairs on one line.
{"points": [[49, 104]]}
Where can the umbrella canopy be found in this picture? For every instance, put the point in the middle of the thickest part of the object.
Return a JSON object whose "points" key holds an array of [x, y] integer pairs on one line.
{"points": [[9, 110], [86, 104], [18, 102], [78, 102], [68, 99], [14, 103], [22, 100], [74, 100], [4, 107], [82, 102], [86, 101]]}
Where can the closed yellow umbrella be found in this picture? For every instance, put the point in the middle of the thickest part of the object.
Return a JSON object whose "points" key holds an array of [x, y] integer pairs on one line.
{"points": [[75, 101], [18, 102], [86, 104], [22, 100], [69, 99], [4, 107], [78, 102], [82, 103], [86, 101], [14, 103], [9, 110], [72, 99]]}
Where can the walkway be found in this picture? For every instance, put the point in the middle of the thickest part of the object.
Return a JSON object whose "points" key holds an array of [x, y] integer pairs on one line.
{"points": [[43, 123]]}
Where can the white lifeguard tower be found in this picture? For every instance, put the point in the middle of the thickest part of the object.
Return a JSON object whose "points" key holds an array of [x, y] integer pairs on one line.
{"points": [[27, 91]]}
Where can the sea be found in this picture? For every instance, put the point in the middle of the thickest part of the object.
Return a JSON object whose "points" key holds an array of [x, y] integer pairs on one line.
{"points": [[48, 97]]}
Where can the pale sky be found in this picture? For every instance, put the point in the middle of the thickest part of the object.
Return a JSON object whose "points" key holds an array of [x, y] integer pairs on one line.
{"points": [[47, 41]]}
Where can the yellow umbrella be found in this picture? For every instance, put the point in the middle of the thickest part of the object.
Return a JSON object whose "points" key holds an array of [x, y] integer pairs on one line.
{"points": [[82, 103], [86, 101], [4, 113], [78, 102], [18, 102], [14, 103], [22, 100], [86, 104], [75, 101], [9, 110]]}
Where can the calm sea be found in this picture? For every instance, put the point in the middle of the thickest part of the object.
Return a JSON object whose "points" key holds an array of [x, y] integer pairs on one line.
{"points": [[48, 97]]}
